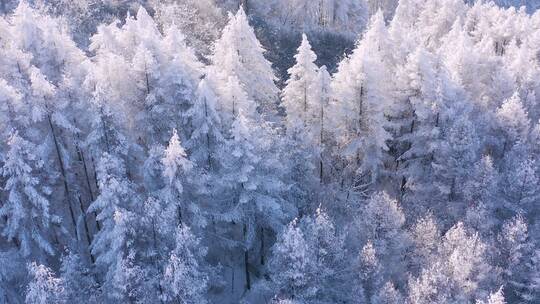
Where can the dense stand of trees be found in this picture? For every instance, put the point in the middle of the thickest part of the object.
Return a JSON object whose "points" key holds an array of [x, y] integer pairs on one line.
{"points": [[155, 160]]}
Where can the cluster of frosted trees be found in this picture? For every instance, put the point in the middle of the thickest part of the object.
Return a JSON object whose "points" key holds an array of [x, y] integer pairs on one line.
{"points": [[132, 172]]}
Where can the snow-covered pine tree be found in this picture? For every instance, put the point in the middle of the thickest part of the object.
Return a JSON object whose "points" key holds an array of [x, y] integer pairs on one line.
{"points": [[515, 251], [255, 178], [360, 104], [206, 141], [306, 98], [184, 277], [453, 162], [297, 96], [381, 226], [327, 245], [113, 244], [26, 210], [177, 173], [514, 121], [78, 282], [520, 181], [458, 272], [481, 186], [292, 264], [319, 122], [44, 287], [388, 294], [425, 238], [421, 139], [480, 192], [238, 53]]}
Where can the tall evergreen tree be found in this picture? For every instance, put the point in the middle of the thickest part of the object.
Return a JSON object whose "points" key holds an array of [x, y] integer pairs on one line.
{"points": [[298, 98], [44, 287], [26, 210], [238, 53], [113, 244], [184, 279], [361, 102]]}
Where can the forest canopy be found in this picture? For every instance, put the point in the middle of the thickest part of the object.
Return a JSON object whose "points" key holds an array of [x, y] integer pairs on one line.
{"points": [[284, 151]]}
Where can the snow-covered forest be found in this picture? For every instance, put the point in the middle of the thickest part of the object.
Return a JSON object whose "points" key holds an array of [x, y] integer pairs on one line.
{"points": [[269, 151]]}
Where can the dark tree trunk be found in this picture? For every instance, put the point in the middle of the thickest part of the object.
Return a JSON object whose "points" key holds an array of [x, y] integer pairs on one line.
{"points": [[88, 183], [321, 145], [246, 264], [262, 246], [86, 230], [64, 177], [246, 261]]}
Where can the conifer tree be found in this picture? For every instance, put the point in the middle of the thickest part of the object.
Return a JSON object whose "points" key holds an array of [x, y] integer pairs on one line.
{"points": [[256, 181], [78, 281], [519, 182], [26, 210], [360, 104], [207, 137], [451, 166], [292, 264], [298, 98], [515, 254], [177, 174], [44, 287], [184, 279], [328, 249], [238, 53], [112, 245], [514, 120], [458, 272], [382, 228]]}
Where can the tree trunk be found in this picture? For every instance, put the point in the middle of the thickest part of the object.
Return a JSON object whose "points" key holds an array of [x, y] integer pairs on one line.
{"points": [[452, 189], [154, 237], [360, 106], [262, 246], [208, 135], [305, 105], [179, 213], [63, 173], [147, 80], [104, 127], [233, 109], [88, 184], [522, 188], [87, 231], [246, 263], [321, 145], [402, 187], [232, 280]]}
